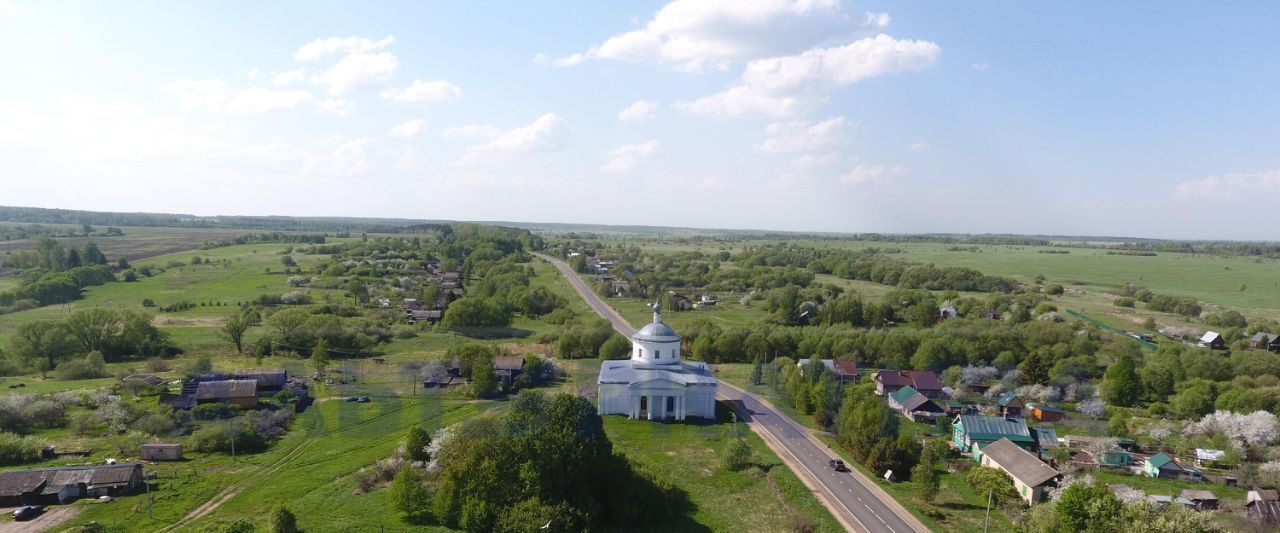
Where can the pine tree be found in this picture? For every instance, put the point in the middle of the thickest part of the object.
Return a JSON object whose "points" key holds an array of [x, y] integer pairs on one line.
{"points": [[1034, 369]]}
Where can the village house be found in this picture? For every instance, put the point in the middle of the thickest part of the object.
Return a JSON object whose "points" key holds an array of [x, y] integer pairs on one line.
{"points": [[923, 381], [1213, 341], [913, 405], [149, 379], [44, 486], [270, 381], [1031, 477], [1163, 466], [1010, 404], [1200, 500], [160, 452], [1046, 413], [239, 392], [507, 367], [844, 371], [1265, 341], [971, 433], [1208, 457], [1262, 508]]}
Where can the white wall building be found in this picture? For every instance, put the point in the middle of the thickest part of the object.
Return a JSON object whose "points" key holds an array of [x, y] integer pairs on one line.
{"points": [[655, 383]]}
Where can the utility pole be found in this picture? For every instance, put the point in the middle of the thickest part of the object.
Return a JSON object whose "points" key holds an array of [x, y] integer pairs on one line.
{"points": [[148, 482], [987, 520]]}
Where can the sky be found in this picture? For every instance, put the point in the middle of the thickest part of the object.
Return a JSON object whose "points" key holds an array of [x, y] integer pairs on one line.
{"points": [[1142, 119]]}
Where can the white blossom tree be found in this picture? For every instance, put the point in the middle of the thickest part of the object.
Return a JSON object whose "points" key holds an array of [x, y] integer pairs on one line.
{"points": [[1254, 429], [1092, 407]]}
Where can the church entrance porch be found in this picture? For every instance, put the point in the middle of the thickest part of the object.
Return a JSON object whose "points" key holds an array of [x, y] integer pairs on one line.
{"points": [[657, 407]]}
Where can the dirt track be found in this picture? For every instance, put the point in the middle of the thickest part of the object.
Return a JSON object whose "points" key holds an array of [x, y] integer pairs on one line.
{"points": [[55, 515]]}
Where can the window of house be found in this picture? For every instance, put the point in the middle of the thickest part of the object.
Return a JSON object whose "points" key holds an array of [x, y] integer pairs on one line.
{"points": [[657, 354]]}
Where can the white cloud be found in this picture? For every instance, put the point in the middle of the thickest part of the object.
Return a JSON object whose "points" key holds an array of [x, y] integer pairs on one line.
{"points": [[547, 133], [208, 94], [350, 158], [694, 34], [9, 7], [335, 106], [791, 85], [285, 78], [259, 100], [920, 146], [639, 111], [709, 184], [800, 136], [408, 129], [1231, 186], [625, 158], [320, 48], [424, 91], [566, 61], [811, 161], [980, 67], [357, 71], [472, 131], [864, 174]]}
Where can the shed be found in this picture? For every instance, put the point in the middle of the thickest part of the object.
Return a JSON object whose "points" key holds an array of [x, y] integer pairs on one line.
{"points": [[1010, 404], [1046, 413], [1213, 340], [1200, 500], [241, 392], [160, 452], [1262, 508]]}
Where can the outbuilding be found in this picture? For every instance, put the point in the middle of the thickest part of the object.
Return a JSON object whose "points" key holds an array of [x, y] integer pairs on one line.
{"points": [[160, 452]]}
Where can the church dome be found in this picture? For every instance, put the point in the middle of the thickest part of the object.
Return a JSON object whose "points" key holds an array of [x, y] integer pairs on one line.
{"points": [[656, 331]]}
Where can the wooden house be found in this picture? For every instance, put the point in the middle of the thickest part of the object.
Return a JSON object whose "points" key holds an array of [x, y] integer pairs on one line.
{"points": [[1213, 341], [913, 405], [971, 433], [1031, 477], [1010, 404], [240, 392], [1200, 500], [160, 452], [1163, 466], [923, 381], [1262, 508], [1046, 413], [44, 486]]}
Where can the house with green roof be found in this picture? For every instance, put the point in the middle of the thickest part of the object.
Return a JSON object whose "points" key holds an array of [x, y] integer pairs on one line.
{"points": [[1010, 404], [971, 433], [914, 405], [1163, 466]]}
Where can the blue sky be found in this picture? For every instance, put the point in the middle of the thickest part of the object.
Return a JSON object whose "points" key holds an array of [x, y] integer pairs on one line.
{"points": [[1132, 119]]}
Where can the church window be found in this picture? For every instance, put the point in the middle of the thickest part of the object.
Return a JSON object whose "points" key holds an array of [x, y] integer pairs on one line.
{"points": [[657, 354]]}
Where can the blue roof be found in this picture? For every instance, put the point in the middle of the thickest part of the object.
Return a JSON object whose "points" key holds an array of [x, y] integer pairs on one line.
{"points": [[902, 395], [992, 428], [1006, 398], [685, 373]]}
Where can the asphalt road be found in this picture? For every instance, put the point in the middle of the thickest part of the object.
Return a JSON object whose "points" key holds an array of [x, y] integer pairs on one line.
{"points": [[847, 488]]}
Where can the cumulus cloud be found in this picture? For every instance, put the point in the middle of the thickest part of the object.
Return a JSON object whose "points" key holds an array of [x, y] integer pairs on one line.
{"points": [[547, 133], [207, 94], [258, 100], [980, 67], [791, 85], [640, 111], [285, 78], [424, 91], [472, 131], [694, 34], [357, 71], [920, 147], [335, 106], [321, 48], [566, 61], [625, 158], [408, 129], [1231, 186], [800, 136], [864, 174]]}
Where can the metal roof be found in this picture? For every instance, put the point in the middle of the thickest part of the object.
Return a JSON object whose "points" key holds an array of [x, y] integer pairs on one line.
{"points": [[223, 390], [1006, 398], [1019, 463], [629, 372], [979, 427], [656, 332], [902, 395]]}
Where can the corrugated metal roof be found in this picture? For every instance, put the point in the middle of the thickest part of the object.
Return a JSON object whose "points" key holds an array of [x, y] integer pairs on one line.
{"points": [[902, 395], [225, 390], [1019, 463], [979, 427]]}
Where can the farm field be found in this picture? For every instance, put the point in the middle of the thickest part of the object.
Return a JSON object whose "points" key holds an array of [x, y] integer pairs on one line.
{"points": [[137, 242]]}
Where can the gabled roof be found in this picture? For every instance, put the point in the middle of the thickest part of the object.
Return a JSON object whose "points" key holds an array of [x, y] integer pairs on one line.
{"points": [[920, 402], [848, 368], [1198, 495], [1045, 437], [902, 395], [1160, 460], [1263, 336], [1006, 398], [924, 380], [1019, 463], [979, 427], [1210, 336], [1047, 408], [228, 389], [892, 378], [508, 362]]}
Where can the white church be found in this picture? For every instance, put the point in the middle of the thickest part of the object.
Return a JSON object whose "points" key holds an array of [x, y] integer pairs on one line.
{"points": [[655, 384]]}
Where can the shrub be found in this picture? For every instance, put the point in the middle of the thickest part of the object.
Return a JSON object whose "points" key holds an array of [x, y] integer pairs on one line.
{"points": [[91, 367], [215, 411], [84, 423], [153, 424], [283, 521], [15, 449], [156, 364], [148, 302]]}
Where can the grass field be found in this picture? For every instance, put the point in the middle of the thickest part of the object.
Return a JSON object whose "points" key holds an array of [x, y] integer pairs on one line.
{"points": [[137, 242]]}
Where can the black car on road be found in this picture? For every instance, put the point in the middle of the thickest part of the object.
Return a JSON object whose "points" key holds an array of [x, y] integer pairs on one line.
{"points": [[27, 512]]}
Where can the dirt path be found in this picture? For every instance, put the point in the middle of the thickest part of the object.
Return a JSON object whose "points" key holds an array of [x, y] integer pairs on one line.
{"points": [[51, 518]]}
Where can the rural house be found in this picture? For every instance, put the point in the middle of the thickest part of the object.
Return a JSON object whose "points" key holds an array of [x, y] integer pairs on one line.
{"points": [[844, 371], [923, 381], [913, 405], [1213, 341], [160, 452], [1262, 508], [1163, 466], [269, 381], [240, 392], [971, 433], [1208, 457], [1010, 404], [149, 379], [1200, 500], [507, 367], [1265, 341], [43, 486], [1046, 413], [1031, 477]]}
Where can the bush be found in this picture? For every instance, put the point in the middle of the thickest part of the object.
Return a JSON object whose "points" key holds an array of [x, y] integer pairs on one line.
{"points": [[220, 437], [15, 449], [91, 367], [283, 521], [1124, 302], [153, 424], [215, 411], [156, 364]]}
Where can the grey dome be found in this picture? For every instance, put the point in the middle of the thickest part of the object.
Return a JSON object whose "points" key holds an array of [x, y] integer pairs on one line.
{"points": [[656, 332]]}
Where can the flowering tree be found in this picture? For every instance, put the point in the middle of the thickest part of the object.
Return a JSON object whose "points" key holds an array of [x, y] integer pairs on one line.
{"points": [[1092, 407], [1254, 429]]}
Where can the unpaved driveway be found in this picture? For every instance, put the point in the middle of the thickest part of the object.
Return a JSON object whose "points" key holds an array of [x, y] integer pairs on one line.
{"points": [[52, 517]]}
